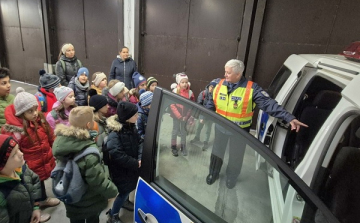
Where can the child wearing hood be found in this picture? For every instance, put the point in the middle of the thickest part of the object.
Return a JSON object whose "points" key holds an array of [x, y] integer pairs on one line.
{"points": [[124, 150], [80, 85]]}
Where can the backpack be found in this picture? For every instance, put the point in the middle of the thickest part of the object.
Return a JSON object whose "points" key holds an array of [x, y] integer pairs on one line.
{"points": [[42, 99], [67, 182], [64, 66]]}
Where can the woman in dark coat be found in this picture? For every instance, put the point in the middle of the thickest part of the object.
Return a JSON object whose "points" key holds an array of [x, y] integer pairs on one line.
{"points": [[123, 67]]}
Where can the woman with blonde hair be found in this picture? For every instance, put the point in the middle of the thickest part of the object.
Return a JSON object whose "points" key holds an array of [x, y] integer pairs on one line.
{"points": [[68, 64]]}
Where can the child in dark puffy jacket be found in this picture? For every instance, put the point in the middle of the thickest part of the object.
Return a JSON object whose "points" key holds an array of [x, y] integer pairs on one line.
{"points": [[19, 186], [80, 86], [180, 114], [202, 100], [45, 94], [144, 106], [124, 149], [100, 105], [28, 126]]}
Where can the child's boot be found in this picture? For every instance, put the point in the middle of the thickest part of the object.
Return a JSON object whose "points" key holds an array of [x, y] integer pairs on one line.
{"points": [[205, 146], [113, 219], [174, 150], [183, 150]]}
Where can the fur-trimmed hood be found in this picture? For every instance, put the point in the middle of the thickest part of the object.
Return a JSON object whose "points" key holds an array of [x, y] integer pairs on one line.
{"points": [[70, 139], [113, 124]]}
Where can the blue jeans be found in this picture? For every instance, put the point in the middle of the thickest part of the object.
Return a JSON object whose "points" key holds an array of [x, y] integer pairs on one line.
{"points": [[118, 203]]}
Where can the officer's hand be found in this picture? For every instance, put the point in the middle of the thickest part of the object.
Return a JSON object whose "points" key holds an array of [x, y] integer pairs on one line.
{"points": [[295, 125]]}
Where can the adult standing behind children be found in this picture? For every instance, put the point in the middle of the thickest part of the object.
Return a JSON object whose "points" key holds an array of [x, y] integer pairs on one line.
{"points": [[61, 109], [5, 97], [19, 186], [68, 64], [45, 94], [80, 86], [123, 67], [71, 140], [124, 149], [29, 127]]}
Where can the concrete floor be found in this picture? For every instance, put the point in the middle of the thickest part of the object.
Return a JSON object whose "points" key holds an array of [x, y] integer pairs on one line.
{"points": [[58, 213]]}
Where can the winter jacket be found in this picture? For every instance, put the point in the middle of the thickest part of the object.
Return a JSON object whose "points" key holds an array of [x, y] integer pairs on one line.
{"points": [[141, 121], [49, 97], [123, 71], [54, 121], [98, 90], [203, 98], [124, 148], [70, 140], [4, 102], [177, 110], [21, 194], [72, 66], [36, 147], [102, 129], [133, 99], [80, 91]]}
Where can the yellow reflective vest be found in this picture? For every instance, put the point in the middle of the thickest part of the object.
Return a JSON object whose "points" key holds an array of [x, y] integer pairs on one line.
{"points": [[237, 106]]}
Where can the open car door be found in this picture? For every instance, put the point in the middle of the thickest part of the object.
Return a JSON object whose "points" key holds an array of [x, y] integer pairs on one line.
{"points": [[174, 189]]}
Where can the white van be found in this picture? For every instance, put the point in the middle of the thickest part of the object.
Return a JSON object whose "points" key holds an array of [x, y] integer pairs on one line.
{"points": [[323, 91]]}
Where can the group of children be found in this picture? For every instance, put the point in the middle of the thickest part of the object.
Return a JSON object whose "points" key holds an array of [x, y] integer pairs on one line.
{"points": [[52, 125]]}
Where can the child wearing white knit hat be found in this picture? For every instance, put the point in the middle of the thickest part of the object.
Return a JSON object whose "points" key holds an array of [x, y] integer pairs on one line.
{"points": [[61, 109], [99, 82], [27, 124]]}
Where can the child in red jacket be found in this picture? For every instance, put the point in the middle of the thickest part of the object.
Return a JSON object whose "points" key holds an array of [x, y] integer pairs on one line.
{"points": [[29, 127], [180, 114]]}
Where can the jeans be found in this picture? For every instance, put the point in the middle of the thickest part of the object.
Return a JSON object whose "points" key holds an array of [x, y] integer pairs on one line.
{"points": [[118, 203], [178, 126]]}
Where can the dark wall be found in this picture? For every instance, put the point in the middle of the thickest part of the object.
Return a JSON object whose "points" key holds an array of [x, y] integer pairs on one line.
{"points": [[301, 27]]}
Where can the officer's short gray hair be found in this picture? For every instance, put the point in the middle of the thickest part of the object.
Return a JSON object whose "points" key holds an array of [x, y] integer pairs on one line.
{"points": [[237, 65]]}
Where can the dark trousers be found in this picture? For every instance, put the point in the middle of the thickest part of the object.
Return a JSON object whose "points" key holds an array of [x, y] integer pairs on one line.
{"points": [[236, 153], [43, 191], [91, 219], [178, 128]]}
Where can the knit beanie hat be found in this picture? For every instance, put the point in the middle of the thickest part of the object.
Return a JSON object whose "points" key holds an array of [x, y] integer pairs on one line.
{"points": [[180, 76], [80, 116], [117, 88], [7, 143], [62, 92], [125, 110], [146, 98], [83, 70], [23, 101], [138, 79], [150, 80], [98, 101], [48, 81], [99, 76]]}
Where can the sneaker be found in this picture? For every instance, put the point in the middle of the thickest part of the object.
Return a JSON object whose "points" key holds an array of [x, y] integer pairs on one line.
{"points": [[49, 202], [128, 205], [174, 152], [113, 219], [44, 217], [205, 146], [195, 140]]}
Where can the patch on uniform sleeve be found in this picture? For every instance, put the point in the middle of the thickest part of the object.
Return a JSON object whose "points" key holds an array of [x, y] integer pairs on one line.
{"points": [[265, 94]]}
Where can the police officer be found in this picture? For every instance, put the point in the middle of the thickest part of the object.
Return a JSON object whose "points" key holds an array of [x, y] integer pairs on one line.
{"points": [[235, 98]]}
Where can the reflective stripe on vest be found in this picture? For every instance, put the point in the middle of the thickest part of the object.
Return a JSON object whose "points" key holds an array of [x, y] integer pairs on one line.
{"points": [[236, 106]]}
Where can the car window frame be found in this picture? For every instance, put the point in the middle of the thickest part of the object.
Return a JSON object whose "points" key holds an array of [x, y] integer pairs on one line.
{"points": [[149, 153]]}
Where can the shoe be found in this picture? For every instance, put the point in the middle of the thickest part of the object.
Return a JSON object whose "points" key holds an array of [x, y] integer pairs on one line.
{"points": [[211, 178], [184, 151], [113, 219], [44, 217], [49, 202], [230, 183], [174, 152], [205, 146], [195, 140], [128, 205]]}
